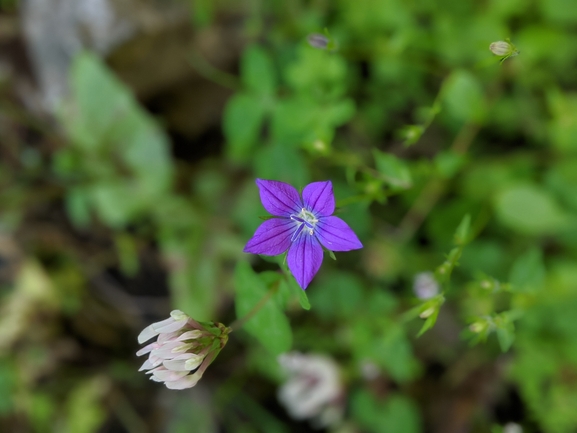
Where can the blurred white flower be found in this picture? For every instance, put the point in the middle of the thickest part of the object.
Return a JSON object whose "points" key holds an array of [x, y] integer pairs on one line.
{"points": [[183, 350], [425, 286], [369, 370], [512, 427], [313, 390]]}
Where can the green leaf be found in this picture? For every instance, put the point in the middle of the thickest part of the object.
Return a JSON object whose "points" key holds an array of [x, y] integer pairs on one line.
{"points": [[448, 163], [411, 134], [528, 271], [278, 161], [114, 202], [294, 120], [395, 171], [396, 414], [428, 310], [85, 413], [8, 378], [338, 295], [242, 122], [257, 71], [430, 321], [463, 231], [78, 206], [463, 97], [269, 325], [530, 210], [505, 331], [289, 284], [127, 253], [318, 73], [100, 97]]}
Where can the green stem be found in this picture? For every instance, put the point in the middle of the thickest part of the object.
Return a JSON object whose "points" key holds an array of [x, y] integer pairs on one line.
{"points": [[239, 323], [205, 69]]}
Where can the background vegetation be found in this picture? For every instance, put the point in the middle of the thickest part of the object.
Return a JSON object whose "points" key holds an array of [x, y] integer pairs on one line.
{"points": [[125, 203]]}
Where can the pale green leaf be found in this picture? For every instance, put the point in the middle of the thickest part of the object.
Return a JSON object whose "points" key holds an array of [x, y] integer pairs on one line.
{"points": [[528, 271], [242, 122], [269, 325], [529, 209], [257, 71], [394, 170]]}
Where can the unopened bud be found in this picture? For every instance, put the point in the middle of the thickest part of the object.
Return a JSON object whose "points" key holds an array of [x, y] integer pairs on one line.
{"points": [[486, 284], [427, 313], [477, 327], [317, 40], [500, 48], [503, 49]]}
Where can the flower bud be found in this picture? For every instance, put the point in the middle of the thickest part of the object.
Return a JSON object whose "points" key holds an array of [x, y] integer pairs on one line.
{"points": [[183, 350], [501, 48], [317, 40], [504, 49], [425, 286], [427, 313], [477, 327]]}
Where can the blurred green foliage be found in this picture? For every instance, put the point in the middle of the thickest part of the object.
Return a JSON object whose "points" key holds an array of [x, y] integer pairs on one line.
{"points": [[442, 160]]}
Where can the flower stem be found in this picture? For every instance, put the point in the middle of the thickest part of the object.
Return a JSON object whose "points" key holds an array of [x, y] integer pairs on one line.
{"points": [[239, 323]]}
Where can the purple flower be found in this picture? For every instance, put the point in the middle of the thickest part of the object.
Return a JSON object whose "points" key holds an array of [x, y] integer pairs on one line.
{"points": [[301, 227]]}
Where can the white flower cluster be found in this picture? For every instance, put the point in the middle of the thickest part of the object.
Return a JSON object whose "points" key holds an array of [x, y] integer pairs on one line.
{"points": [[182, 352]]}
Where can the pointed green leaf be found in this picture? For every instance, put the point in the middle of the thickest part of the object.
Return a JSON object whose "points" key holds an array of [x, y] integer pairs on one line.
{"points": [[528, 271], [394, 170], [242, 122], [462, 232], [257, 71]]}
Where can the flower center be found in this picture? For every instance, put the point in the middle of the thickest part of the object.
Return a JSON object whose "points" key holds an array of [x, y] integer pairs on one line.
{"points": [[306, 220]]}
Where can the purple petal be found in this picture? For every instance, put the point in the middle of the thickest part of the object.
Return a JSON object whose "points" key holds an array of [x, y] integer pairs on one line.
{"points": [[272, 238], [304, 259], [279, 198], [336, 235], [319, 198]]}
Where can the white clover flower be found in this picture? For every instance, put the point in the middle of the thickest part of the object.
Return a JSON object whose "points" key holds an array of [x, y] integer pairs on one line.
{"points": [[313, 390], [425, 286], [512, 427], [183, 350]]}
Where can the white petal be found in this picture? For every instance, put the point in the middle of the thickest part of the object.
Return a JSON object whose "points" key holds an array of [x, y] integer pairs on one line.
{"points": [[194, 363], [178, 315], [168, 375], [147, 333], [173, 325], [190, 335], [168, 350], [184, 382], [146, 366], [167, 336], [147, 349], [178, 363], [154, 360]]}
